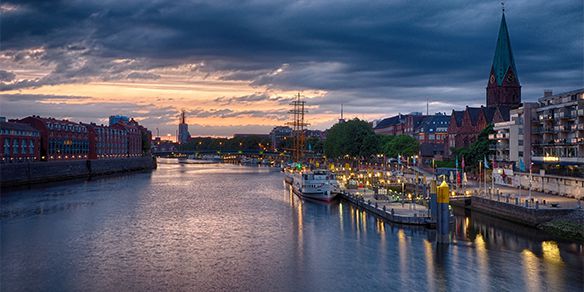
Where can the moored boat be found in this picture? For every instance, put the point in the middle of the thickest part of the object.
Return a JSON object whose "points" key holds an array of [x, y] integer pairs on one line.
{"points": [[317, 184]]}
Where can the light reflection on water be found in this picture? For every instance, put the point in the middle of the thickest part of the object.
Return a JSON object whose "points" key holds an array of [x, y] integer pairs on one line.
{"points": [[223, 227]]}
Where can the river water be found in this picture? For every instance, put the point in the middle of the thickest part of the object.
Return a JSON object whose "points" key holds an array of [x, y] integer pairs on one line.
{"points": [[225, 227]]}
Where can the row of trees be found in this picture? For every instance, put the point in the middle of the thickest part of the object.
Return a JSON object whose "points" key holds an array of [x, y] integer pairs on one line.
{"points": [[357, 138]]}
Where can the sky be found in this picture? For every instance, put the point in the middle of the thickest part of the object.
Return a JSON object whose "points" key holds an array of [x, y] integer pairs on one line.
{"points": [[234, 66]]}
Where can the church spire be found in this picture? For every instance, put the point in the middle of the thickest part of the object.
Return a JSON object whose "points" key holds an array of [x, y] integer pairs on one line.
{"points": [[503, 87], [503, 60]]}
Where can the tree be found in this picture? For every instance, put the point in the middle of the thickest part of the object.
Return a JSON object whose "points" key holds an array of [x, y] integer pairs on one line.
{"points": [[400, 145], [350, 138], [478, 150]]}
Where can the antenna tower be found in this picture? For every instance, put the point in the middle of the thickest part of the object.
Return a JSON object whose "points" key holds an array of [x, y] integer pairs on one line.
{"points": [[298, 125]]}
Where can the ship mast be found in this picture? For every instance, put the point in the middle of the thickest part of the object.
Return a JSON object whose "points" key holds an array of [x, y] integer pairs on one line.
{"points": [[298, 125]]}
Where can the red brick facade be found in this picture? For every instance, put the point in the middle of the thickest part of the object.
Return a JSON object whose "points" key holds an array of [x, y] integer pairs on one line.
{"points": [[466, 125], [60, 139], [19, 142], [63, 140]]}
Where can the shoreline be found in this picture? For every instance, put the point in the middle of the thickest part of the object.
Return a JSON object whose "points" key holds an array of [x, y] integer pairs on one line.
{"points": [[35, 173]]}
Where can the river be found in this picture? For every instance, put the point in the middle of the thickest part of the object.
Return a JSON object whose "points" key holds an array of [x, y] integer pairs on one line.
{"points": [[214, 227]]}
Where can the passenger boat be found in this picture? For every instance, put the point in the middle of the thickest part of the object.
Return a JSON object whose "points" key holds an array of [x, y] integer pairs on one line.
{"points": [[316, 184]]}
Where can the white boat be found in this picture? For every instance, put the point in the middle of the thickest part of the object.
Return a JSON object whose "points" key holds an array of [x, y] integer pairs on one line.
{"points": [[317, 184]]}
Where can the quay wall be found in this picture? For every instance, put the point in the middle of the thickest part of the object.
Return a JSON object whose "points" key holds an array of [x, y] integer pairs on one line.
{"points": [[25, 173], [516, 213]]}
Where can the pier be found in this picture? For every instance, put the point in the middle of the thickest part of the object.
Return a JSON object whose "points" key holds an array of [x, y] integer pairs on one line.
{"points": [[407, 213]]}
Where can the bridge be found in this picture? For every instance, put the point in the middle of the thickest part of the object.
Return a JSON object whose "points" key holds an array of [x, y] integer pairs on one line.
{"points": [[222, 152]]}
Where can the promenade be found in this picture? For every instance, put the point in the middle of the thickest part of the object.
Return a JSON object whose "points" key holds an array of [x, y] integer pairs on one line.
{"points": [[473, 187]]}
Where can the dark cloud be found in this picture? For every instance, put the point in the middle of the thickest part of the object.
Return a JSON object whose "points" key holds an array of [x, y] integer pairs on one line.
{"points": [[229, 113], [252, 98], [375, 56], [6, 76], [143, 75], [86, 110]]}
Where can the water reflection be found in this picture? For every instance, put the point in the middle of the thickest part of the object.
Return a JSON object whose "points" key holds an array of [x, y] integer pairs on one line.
{"points": [[200, 227], [531, 276]]}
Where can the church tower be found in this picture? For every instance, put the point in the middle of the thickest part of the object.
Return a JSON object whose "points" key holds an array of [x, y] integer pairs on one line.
{"points": [[503, 88]]}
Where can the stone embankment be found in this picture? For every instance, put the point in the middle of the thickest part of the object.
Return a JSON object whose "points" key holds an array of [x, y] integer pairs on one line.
{"points": [[26, 173]]}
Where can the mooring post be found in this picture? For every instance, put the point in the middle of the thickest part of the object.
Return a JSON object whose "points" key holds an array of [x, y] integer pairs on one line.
{"points": [[433, 202], [443, 223]]}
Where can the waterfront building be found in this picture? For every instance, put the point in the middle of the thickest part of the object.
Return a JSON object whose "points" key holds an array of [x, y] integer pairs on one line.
{"points": [[60, 139], [20, 142], [65, 140], [513, 138], [118, 118], [135, 133], [183, 129], [278, 135], [558, 146], [107, 142]]}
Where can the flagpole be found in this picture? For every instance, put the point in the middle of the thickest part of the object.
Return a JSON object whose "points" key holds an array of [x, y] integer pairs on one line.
{"points": [[530, 181], [493, 178], [480, 174], [485, 176]]}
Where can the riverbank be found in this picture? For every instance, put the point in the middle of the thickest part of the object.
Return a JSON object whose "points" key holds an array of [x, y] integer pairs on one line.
{"points": [[28, 173], [569, 226]]}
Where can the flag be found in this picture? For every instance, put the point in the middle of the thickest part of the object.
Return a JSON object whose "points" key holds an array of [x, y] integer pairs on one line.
{"points": [[521, 165], [464, 178], [456, 162], [486, 163], [451, 178], [462, 163]]}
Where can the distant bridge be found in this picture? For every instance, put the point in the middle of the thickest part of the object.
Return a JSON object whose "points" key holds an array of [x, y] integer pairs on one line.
{"points": [[217, 152]]}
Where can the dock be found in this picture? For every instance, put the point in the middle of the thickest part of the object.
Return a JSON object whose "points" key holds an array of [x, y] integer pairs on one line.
{"points": [[407, 213]]}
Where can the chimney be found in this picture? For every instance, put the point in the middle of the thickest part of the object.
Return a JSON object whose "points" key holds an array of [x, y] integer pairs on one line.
{"points": [[547, 93]]}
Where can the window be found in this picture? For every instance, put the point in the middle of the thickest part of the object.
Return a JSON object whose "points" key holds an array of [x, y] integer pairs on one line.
{"points": [[15, 146], [23, 146], [7, 147], [30, 147], [520, 142]]}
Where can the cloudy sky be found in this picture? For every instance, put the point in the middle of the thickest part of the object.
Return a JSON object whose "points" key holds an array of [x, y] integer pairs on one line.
{"points": [[235, 65]]}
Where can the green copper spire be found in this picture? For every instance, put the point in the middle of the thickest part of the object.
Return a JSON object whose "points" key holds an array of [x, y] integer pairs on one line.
{"points": [[503, 55]]}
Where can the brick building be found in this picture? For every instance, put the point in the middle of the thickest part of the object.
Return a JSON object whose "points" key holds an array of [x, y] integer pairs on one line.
{"points": [[466, 125], [107, 142], [60, 139], [134, 137], [63, 139], [20, 142]]}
